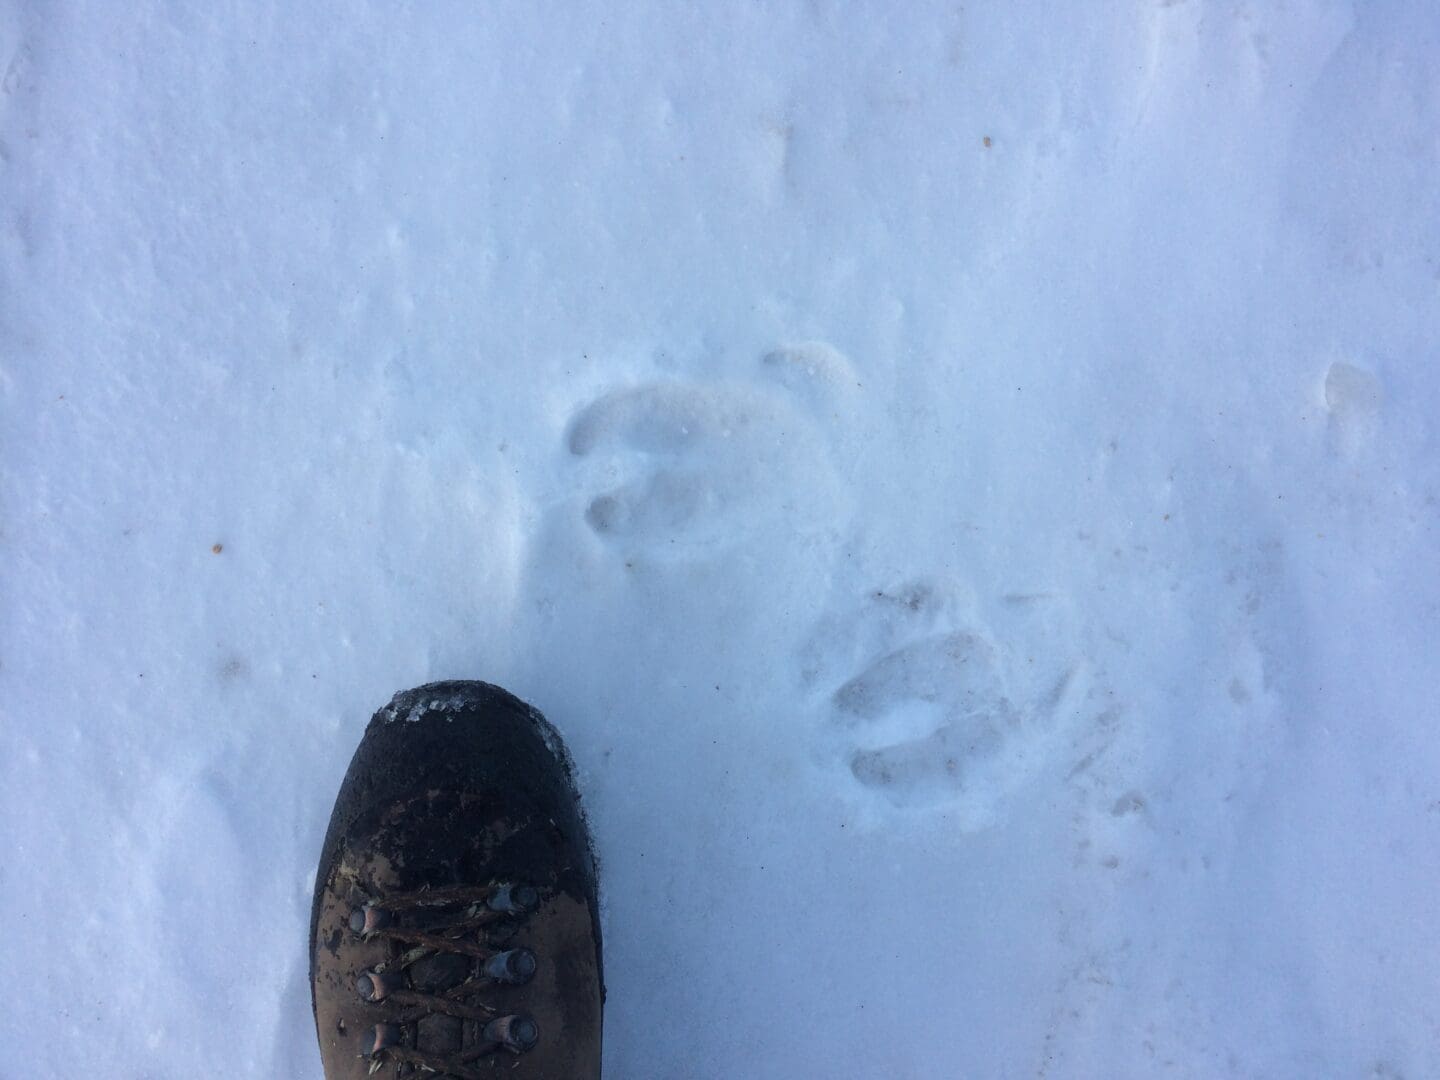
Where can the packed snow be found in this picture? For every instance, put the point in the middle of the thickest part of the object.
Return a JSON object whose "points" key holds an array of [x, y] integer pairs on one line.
{"points": [[963, 479]]}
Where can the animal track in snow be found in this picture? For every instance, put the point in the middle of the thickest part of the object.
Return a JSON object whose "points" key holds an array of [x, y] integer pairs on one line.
{"points": [[817, 374], [939, 714], [681, 469], [1353, 398]]}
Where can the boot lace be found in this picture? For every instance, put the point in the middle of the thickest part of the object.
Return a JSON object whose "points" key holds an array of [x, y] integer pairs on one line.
{"points": [[442, 962]]}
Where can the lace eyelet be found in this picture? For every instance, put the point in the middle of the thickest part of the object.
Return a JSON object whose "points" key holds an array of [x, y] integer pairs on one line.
{"points": [[514, 899], [515, 1033], [375, 986], [368, 919], [379, 1039], [514, 967]]}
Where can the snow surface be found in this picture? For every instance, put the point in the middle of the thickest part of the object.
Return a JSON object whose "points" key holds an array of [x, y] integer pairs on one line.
{"points": [[963, 479]]}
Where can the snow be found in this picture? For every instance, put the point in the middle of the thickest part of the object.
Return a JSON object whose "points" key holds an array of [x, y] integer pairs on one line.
{"points": [[963, 481]]}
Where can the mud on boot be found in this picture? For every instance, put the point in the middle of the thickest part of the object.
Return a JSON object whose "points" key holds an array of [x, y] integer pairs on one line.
{"points": [[454, 931]]}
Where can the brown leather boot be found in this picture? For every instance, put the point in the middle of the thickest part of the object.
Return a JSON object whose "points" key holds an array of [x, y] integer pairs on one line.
{"points": [[455, 931]]}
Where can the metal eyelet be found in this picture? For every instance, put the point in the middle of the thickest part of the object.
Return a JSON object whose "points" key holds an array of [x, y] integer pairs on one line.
{"points": [[515, 1033], [514, 966], [368, 919]]}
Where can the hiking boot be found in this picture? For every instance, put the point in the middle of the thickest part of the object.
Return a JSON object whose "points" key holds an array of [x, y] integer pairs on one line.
{"points": [[454, 932]]}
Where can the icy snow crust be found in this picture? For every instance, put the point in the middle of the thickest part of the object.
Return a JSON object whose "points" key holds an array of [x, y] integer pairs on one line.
{"points": [[963, 481]]}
